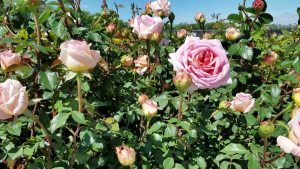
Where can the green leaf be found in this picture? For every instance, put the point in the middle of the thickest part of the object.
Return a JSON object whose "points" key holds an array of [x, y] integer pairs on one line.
{"points": [[170, 131], [296, 64], [168, 163], [156, 126], [201, 162], [48, 79], [44, 16], [58, 121], [178, 166], [233, 148], [41, 48], [78, 117], [14, 129], [224, 165], [24, 71], [234, 49], [275, 91], [265, 18], [234, 17], [246, 52], [59, 29], [15, 153], [253, 162]]}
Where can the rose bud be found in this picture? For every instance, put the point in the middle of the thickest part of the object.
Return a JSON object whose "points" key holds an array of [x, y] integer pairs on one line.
{"points": [[125, 32], [232, 34], [78, 56], [161, 8], [242, 102], [13, 99], [148, 8], [266, 129], [141, 64], [111, 28], [182, 81], [126, 155], [149, 108], [182, 33], [296, 96], [171, 17], [155, 37], [258, 5], [8, 59], [271, 58], [224, 104], [131, 22], [126, 61], [200, 17], [143, 98]]}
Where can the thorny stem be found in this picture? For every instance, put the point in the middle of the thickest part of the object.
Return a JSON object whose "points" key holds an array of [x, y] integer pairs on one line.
{"points": [[146, 130], [275, 158]]}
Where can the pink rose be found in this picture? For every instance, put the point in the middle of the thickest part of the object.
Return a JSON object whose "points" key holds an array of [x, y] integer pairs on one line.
{"points": [[294, 123], [242, 102], [182, 33], [7, 59], [143, 98], [150, 108], [232, 33], [271, 57], [13, 99], [126, 155], [78, 56], [141, 64], [204, 60], [258, 5], [288, 146], [161, 8], [145, 26], [111, 28]]}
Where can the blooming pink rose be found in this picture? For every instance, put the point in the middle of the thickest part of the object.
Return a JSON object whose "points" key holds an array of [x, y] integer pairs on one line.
{"points": [[161, 7], [141, 64], [288, 146], [126, 155], [204, 60], [149, 108], [242, 102], [145, 26], [7, 59], [111, 28], [182, 33], [294, 123], [232, 33], [78, 56], [13, 99]]}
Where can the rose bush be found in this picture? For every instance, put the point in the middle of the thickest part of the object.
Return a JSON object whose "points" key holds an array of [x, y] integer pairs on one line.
{"points": [[156, 97]]}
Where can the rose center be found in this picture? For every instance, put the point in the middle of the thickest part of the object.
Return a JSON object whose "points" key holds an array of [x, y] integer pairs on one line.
{"points": [[204, 60]]}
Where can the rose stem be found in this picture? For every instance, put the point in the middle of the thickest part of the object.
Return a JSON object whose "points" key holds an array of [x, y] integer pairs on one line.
{"points": [[48, 137], [146, 129], [171, 29], [78, 78], [275, 158], [282, 111], [265, 150], [180, 106]]}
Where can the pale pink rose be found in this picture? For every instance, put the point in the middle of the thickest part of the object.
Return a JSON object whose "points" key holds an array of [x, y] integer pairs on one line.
{"points": [[288, 146], [182, 33], [126, 155], [143, 98], [294, 123], [145, 26], [232, 33], [141, 64], [150, 108], [242, 102], [78, 56], [13, 99], [204, 60], [161, 8], [7, 59]]}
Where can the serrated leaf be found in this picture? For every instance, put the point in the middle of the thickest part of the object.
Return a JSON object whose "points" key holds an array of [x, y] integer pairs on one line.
{"points": [[170, 131], [58, 121], [233, 148], [48, 79], [168, 163], [78, 117]]}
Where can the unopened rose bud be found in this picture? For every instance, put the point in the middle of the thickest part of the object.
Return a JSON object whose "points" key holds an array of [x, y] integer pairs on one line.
{"points": [[125, 32], [182, 33], [155, 37], [296, 96], [126, 155], [148, 8], [182, 81], [126, 61], [142, 99], [271, 58], [224, 104], [200, 17], [232, 34], [172, 17], [149, 108], [258, 5], [266, 129], [111, 28]]}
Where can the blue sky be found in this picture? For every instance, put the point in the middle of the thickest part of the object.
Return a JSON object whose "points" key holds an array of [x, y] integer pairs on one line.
{"points": [[283, 11]]}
